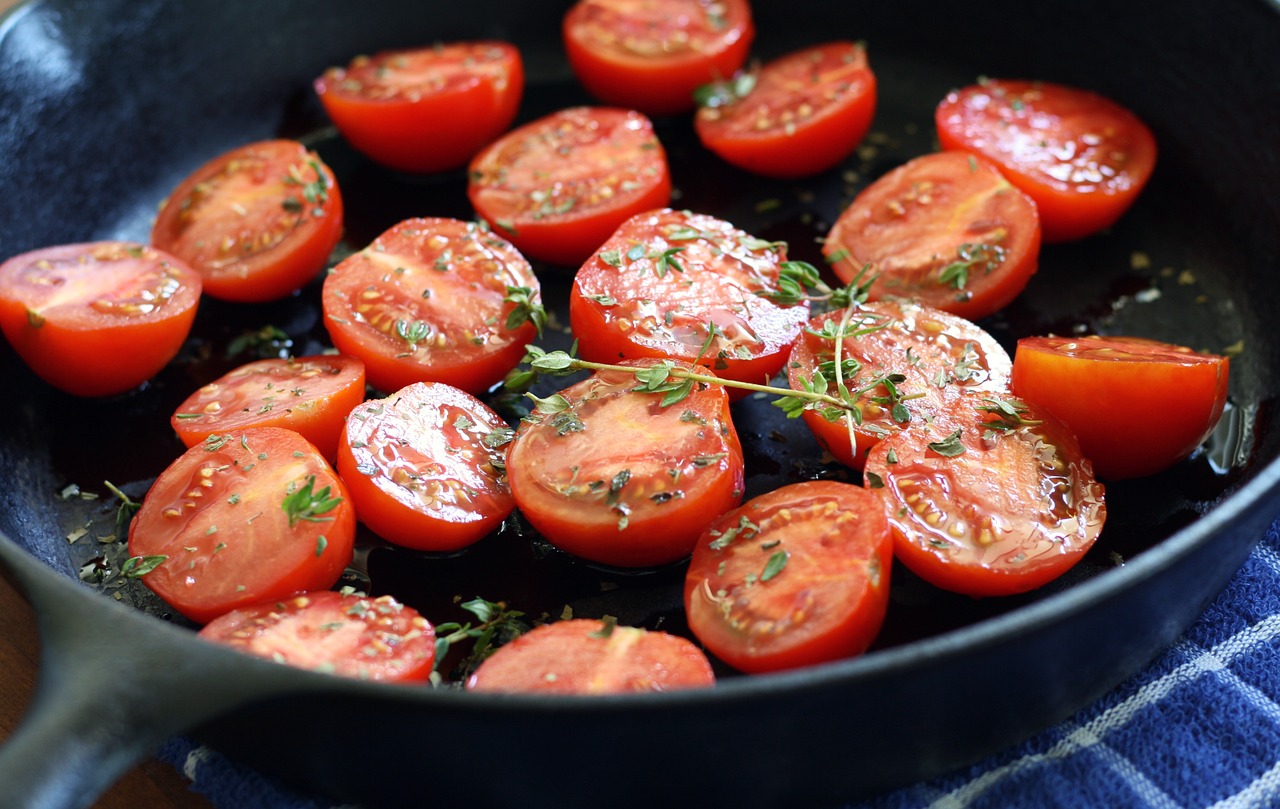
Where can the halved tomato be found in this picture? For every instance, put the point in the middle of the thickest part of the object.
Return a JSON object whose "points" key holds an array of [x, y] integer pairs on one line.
{"points": [[946, 230], [1137, 406], [792, 578], [258, 222], [558, 186], [99, 318], [434, 300], [425, 109]]}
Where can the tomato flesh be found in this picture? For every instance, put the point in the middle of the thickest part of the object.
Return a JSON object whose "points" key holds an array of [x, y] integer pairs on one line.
{"points": [[946, 230], [1138, 406], [98, 318], [795, 577], [424, 467], [346, 634]]}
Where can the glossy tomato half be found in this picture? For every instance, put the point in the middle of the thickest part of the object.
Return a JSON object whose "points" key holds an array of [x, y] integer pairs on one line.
{"points": [[425, 109], [258, 222], [946, 230], [1138, 406], [99, 318], [1083, 158], [651, 55], [558, 186]]}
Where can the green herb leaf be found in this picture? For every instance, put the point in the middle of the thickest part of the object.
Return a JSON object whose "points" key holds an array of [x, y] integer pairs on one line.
{"points": [[949, 447], [135, 567], [307, 504], [776, 564]]}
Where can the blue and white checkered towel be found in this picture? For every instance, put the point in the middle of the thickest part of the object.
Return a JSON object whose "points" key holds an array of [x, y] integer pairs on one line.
{"points": [[1199, 727]]}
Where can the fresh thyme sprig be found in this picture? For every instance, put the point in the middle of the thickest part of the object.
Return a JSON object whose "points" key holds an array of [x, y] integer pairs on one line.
{"points": [[497, 625], [307, 504], [801, 281]]}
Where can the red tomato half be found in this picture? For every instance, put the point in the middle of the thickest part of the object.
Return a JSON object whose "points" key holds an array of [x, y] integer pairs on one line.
{"points": [[1138, 406], [946, 229], [425, 467], [258, 222], [558, 186], [425, 109], [583, 656], [792, 578], [335, 633], [928, 357], [1082, 158], [251, 516], [651, 55], [803, 113], [610, 474], [433, 300], [986, 505], [310, 395], [99, 318], [679, 285]]}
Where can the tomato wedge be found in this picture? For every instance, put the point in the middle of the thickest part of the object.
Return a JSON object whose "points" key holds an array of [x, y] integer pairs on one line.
{"points": [[946, 229], [248, 516], [347, 634], [797, 115], [651, 55], [310, 395], [1138, 406], [679, 285], [585, 656], [425, 467], [425, 109], [926, 356], [258, 222], [792, 578], [434, 300], [98, 318], [1083, 158], [991, 497], [558, 186], [613, 475]]}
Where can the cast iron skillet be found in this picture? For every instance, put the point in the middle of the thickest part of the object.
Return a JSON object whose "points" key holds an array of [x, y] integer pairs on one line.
{"points": [[107, 104]]}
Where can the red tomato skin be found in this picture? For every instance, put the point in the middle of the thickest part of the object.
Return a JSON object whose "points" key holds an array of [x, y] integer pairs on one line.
{"points": [[423, 129], [660, 82], [225, 532], [277, 393], [463, 306], [205, 224], [964, 354], [1000, 518], [350, 635], [1083, 158], [827, 604], [694, 465], [821, 122], [719, 270], [576, 657], [537, 188], [416, 477], [88, 333], [912, 223], [1137, 406]]}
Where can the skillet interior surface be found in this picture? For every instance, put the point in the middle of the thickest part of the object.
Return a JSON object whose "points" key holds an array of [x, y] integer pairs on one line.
{"points": [[115, 102]]}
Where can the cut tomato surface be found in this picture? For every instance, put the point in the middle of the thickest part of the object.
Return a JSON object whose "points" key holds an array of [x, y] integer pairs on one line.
{"points": [[792, 578], [258, 222], [434, 300], [1082, 157], [946, 230], [98, 318], [425, 467], [347, 634], [425, 109], [1137, 406], [558, 187], [797, 115], [586, 656], [990, 497], [248, 516]]}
